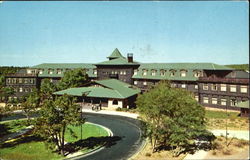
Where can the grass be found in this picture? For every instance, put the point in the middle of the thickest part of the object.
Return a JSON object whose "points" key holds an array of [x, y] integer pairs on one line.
{"points": [[218, 120], [12, 126], [30, 148], [89, 130]]}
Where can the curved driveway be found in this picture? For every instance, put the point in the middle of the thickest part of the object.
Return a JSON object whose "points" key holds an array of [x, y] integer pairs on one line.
{"points": [[125, 128]]}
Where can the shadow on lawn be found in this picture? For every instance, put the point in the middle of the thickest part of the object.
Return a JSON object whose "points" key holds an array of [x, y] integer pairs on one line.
{"points": [[91, 143], [25, 138], [4, 130]]}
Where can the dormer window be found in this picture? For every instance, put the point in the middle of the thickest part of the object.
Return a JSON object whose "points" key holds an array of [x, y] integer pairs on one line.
{"points": [[183, 73], [59, 71], [162, 72], [50, 71], [233, 74], [153, 72], [144, 72], [197, 73], [172, 73], [40, 71], [95, 71], [135, 71]]}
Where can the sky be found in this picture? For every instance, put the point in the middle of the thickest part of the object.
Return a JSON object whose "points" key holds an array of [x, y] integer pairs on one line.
{"points": [[154, 31]]}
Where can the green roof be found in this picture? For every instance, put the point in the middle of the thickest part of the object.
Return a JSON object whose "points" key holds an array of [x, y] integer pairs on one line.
{"points": [[243, 104], [116, 54], [189, 67], [112, 89], [64, 67], [118, 61]]}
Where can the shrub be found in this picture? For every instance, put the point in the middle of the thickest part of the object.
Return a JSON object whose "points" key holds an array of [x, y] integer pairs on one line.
{"points": [[214, 152], [148, 154], [118, 109]]}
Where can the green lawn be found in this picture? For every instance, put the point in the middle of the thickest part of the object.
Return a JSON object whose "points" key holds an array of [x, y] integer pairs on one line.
{"points": [[89, 130], [28, 148], [220, 114]]}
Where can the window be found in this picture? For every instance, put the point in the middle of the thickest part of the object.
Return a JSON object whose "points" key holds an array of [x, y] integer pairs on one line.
{"points": [[196, 98], [183, 85], [162, 72], [116, 72], [205, 99], [59, 71], [25, 80], [15, 90], [40, 71], [124, 72], [183, 73], [31, 80], [20, 89], [144, 72], [14, 80], [20, 80], [8, 80], [243, 89], [112, 72], [145, 83], [153, 72], [214, 87], [95, 71], [232, 88], [233, 102], [223, 102], [223, 87], [50, 71], [214, 100], [196, 86], [135, 72], [173, 85], [197, 73], [172, 73], [135, 82], [115, 102], [205, 86], [26, 89]]}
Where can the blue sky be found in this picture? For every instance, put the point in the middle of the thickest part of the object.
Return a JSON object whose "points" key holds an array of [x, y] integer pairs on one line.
{"points": [[87, 32]]}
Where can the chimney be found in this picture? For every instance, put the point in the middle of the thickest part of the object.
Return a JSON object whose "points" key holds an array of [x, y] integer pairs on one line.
{"points": [[130, 57]]}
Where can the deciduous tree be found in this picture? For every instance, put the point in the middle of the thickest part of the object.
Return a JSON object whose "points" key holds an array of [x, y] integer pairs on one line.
{"points": [[56, 115], [173, 117]]}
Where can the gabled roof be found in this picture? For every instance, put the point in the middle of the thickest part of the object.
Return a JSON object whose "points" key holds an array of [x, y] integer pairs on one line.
{"points": [[118, 61], [201, 66], [116, 54], [64, 65], [112, 88]]}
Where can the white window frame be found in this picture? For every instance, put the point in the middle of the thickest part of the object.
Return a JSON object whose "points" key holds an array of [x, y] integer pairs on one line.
{"points": [[135, 71], [196, 86], [205, 100], [233, 102], [223, 102], [135, 82], [243, 89], [144, 72], [214, 100], [183, 85], [153, 72], [172, 73], [183, 73], [145, 83], [50, 71], [214, 87], [233, 88], [162, 72], [205, 87], [20, 89], [223, 87], [95, 71]]}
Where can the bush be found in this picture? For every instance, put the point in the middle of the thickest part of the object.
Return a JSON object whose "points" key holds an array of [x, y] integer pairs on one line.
{"points": [[118, 109], [148, 154]]}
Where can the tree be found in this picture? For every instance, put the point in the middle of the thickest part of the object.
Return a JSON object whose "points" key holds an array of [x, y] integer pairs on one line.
{"points": [[173, 117], [56, 115], [6, 92], [47, 89], [30, 103], [73, 78]]}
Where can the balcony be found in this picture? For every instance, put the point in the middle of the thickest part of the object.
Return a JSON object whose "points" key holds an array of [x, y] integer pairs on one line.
{"points": [[224, 80]]}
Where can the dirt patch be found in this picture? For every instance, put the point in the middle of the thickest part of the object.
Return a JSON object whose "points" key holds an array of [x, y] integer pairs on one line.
{"points": [[231, 123], [146, 153], [233, 149]]}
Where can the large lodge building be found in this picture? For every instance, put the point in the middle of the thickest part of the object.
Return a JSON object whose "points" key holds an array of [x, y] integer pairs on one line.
{"points": [[117, 81]]}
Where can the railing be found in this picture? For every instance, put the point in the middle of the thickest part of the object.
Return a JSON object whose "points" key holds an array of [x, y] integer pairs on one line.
{"points": [[224, 80]]}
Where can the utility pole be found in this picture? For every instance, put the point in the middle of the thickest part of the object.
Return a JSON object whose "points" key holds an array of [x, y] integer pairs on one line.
{"points": [[81, 116], [226, 125]]}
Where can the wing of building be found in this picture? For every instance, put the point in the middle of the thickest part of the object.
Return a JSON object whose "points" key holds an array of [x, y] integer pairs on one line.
{"points": [[213, 85]]}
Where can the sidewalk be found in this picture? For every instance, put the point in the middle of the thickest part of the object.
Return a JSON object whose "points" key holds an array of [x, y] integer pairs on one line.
{"points": [[232, 133], [126, 114]]}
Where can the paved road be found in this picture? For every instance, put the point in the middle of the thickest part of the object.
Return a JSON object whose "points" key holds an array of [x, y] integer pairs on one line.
{"points": [[125, 128]]}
